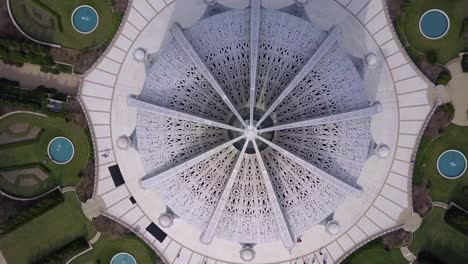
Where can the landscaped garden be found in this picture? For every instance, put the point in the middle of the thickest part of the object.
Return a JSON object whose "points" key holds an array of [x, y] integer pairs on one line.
{"points": [[432, 53], [46, 233], [374, 252], [107, 247], [441, 50], [50, 21], [442, 189], [439, 239], [25, 167]]}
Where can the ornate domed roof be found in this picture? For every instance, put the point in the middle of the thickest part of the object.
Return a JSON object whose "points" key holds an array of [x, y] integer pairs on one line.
{"points": [[253, 124]]}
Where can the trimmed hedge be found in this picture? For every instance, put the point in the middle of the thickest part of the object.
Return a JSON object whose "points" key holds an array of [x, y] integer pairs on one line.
{"points": [[425, 257], [444, 77], [464, 62], [64, 253], [458, 219], [19, 52], [58, 18], [41, 206]]}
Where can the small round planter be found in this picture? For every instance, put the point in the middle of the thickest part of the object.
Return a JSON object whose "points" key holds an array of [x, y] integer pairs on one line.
{"points": [[55, 159], [116, 259], [425, 17], [75, 13], [440, 170]]}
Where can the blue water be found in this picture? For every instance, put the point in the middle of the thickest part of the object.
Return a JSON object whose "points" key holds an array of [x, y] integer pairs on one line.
{"points": [[85, 19], [123, 258], [434, 24], [61, 150], [452, 164]]}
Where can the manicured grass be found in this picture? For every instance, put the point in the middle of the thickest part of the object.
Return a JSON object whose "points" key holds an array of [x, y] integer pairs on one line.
{"points": [[446, 48], [106, 248], [47, 232], [440, 239], [442, 189], [45, 25], [30, 154], [375, 253]]}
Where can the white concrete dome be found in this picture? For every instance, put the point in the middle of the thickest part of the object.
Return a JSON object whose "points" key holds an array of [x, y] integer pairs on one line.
{"points": [[383, 151], [123, 142], [166, 220], [247, 254], [196, 113], [371, 60], [140, 54], [333, 228]]}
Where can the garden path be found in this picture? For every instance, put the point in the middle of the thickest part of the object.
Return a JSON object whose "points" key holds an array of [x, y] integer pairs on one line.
{"points": [[2, 258], [30, 76], [407, 254], [458, 92], [5, 138]]}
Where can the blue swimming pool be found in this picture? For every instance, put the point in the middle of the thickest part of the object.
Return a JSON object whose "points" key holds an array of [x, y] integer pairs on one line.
{"points": [[61, 150], [123, 258], [85, 19], [434, 24], [451, 164]]}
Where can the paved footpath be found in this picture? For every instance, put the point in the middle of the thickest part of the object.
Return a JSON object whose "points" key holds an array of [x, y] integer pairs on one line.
{"points": [[2, 258], [30, 77]]}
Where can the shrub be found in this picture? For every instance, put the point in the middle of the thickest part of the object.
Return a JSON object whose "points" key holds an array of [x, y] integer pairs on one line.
{"points": [[457, 218], [431, 56], [47, 69], [38, 208], [444, 77], [64, 253], [426, 257], [448, 108], [464, 62]]}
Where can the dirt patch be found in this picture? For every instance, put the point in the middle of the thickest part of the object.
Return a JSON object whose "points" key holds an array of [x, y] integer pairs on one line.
{"points": [[7, 28], [431, 71], [394, 8], [108, 226], [397, 239], [85, 187], [81, 60], [422, 202], [74, 113], [119, 6], [441, 118]]}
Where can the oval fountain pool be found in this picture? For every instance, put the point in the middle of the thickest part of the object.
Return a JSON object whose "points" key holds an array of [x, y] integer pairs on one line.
{"points": [[61, 150], [85, 19], [434, 24], [451, 164], [123, 258]]}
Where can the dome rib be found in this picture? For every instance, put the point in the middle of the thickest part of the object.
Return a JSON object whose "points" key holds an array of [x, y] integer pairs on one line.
{"points": [[225, 73]]}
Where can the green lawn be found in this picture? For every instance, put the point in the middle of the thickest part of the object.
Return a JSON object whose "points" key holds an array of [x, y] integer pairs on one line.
{"points": [[440, 239], [47, 232], [375, 253], [107, 247], [53, 23], [442, 189], [448, 47], [31, 154]]}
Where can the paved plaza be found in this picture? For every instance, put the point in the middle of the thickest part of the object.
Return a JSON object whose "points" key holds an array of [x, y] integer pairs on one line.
{"points": [[362, 27]]}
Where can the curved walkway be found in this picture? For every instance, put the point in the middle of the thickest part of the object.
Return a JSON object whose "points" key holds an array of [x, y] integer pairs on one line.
{"points": [[440, 204], [458, 92]]}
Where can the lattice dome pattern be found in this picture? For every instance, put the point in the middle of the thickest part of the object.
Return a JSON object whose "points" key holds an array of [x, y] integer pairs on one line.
{"points": [[253, 124]]}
